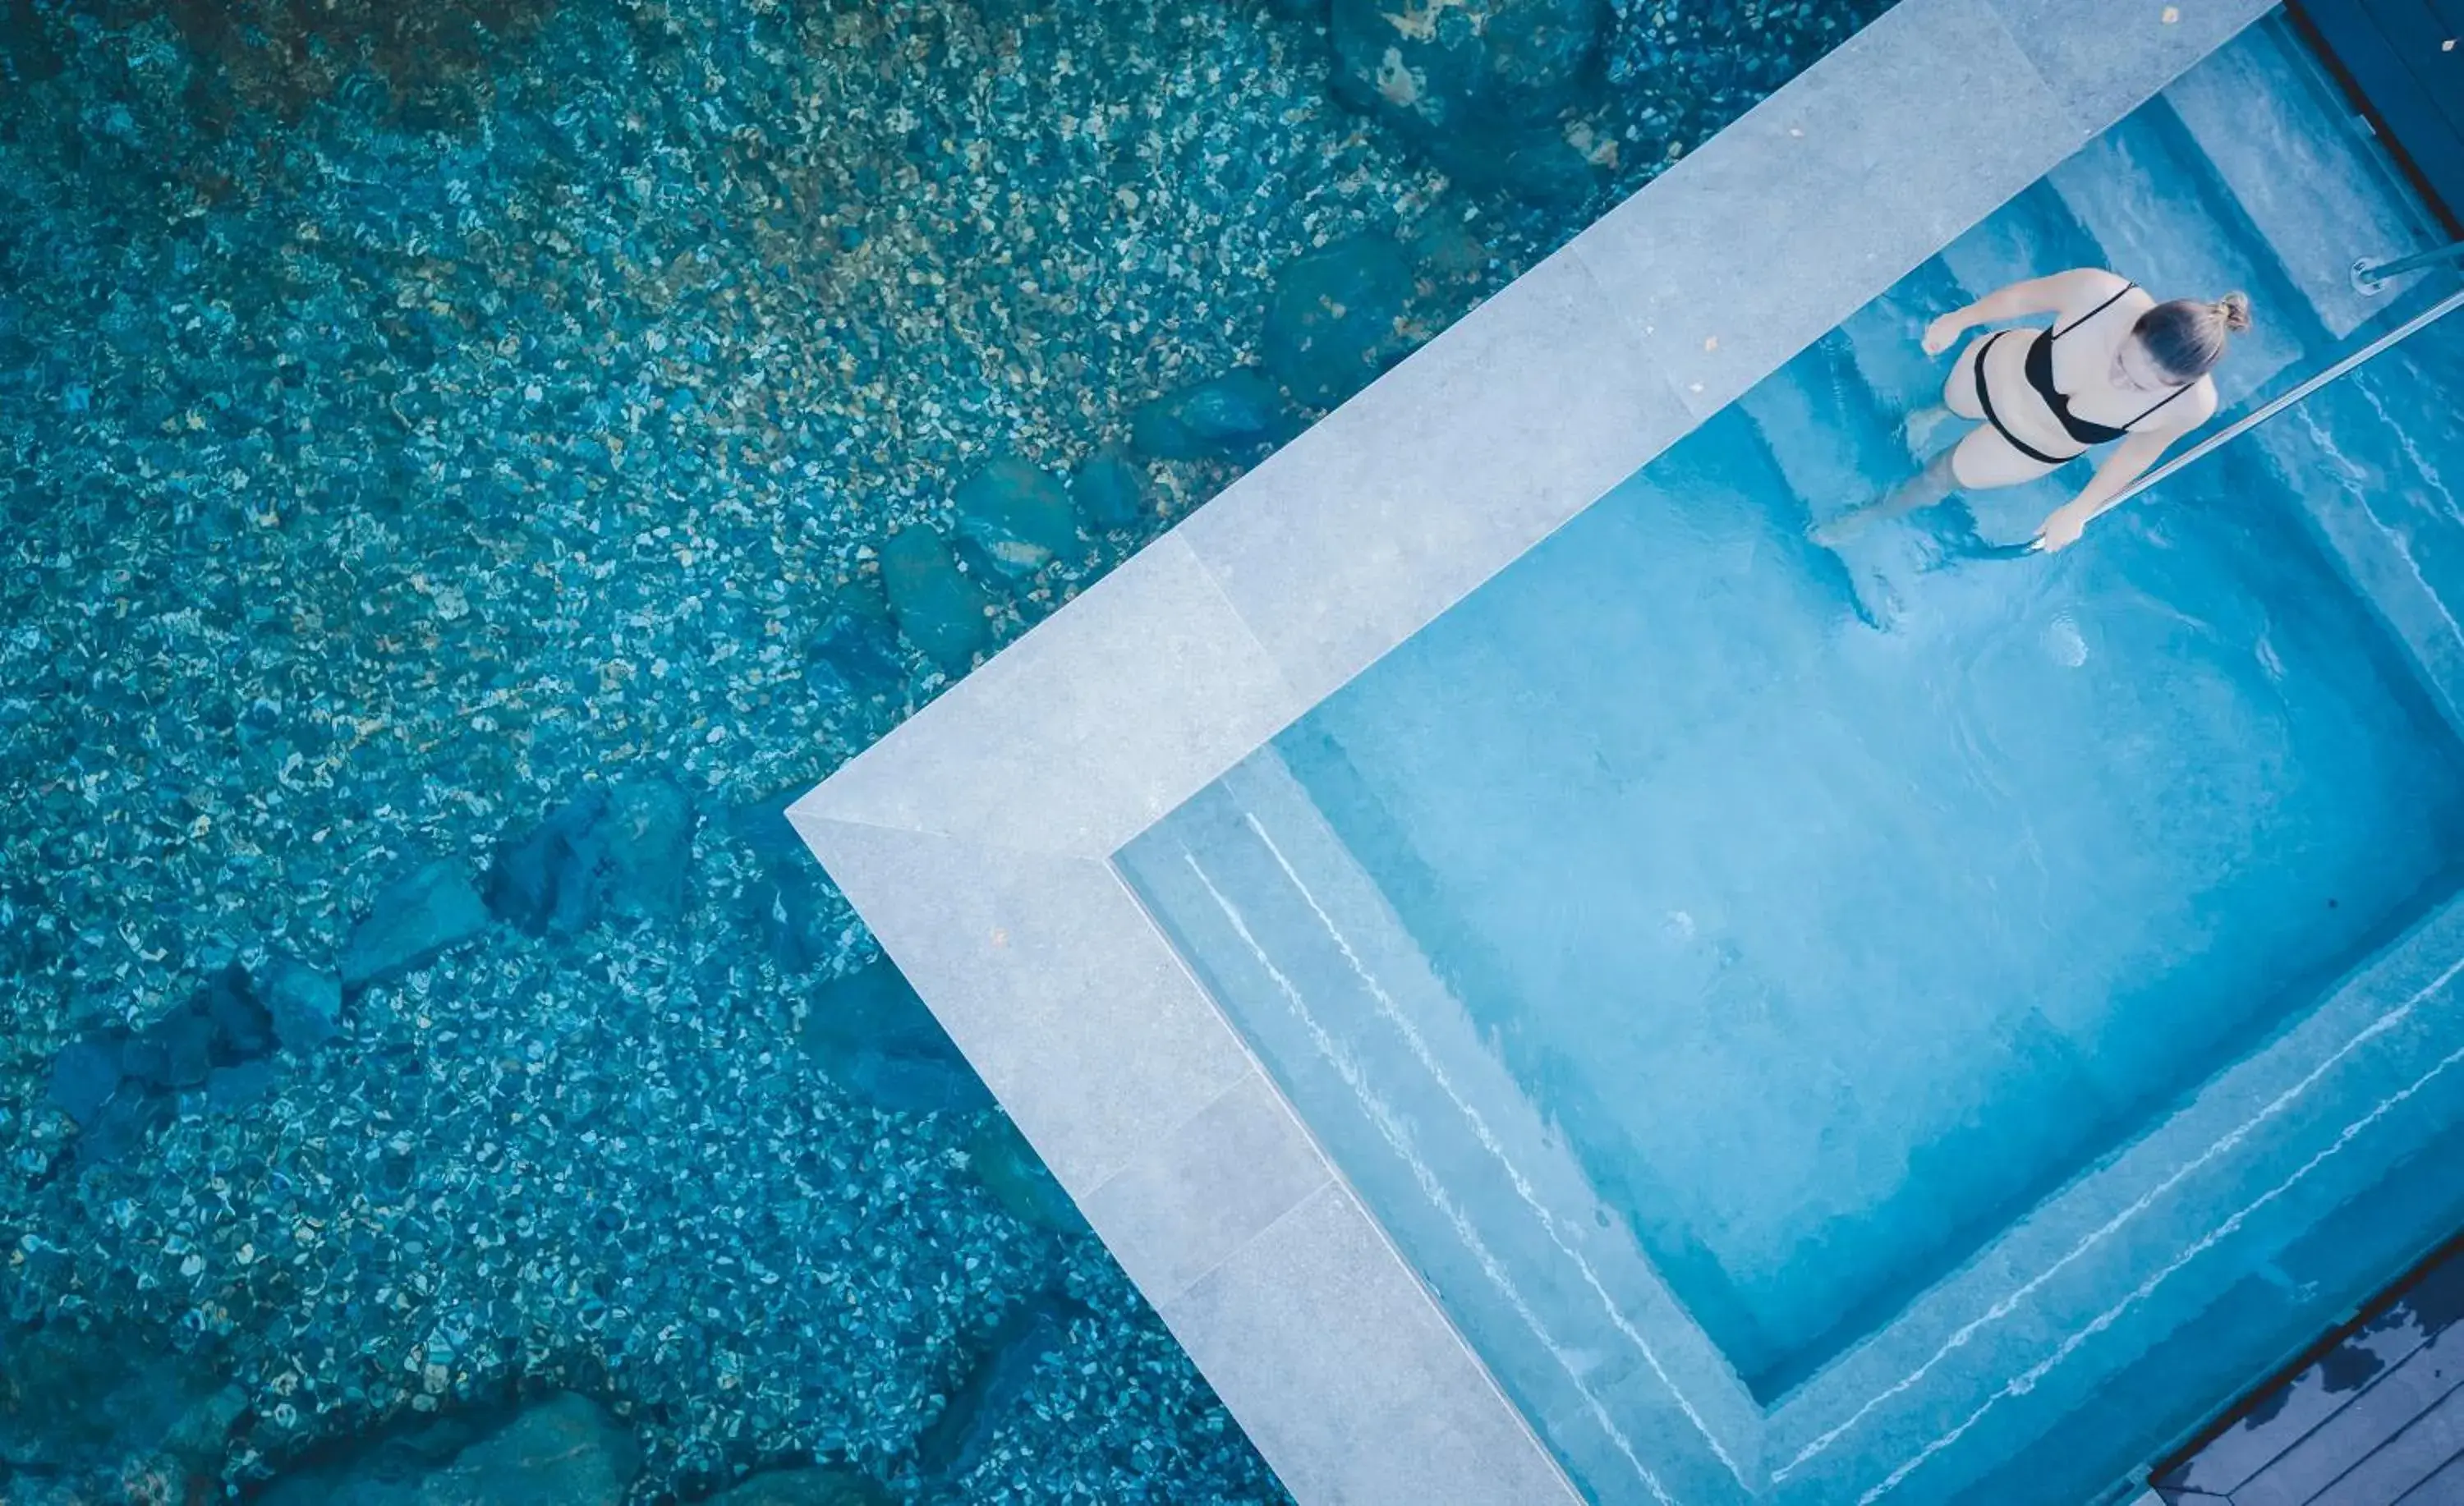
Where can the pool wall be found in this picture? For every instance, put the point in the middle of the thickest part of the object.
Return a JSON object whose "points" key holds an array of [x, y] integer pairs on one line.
{"points": [[977, 839]]}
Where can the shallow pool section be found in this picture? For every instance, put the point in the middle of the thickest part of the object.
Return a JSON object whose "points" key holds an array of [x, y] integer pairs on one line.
{"points": [[1831, 1026]]}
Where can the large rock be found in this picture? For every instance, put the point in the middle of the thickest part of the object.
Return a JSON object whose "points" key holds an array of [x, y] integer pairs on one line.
{"points": [[814, 1487], [84, 1075], [87, 1408], [547, 881], [305, 1003], [565, 1451], [1339, 317], [1486, 87], [939, 607], [649, 849], [418, 917], [788, 897], [623, 850], [1109, 490], [1015, 515], [119, 1084], [1001, 1374], [1234, 416], [854, 651], [875, 1038], [1014, 1174], [1447, 68]]}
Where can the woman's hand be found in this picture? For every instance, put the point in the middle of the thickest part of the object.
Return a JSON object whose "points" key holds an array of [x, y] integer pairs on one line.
{"points": [[2063, 528], [1942, 333]]}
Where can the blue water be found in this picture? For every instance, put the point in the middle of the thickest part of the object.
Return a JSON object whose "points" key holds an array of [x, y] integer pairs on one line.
{"points": [[1832, 949], [1803, 920]]}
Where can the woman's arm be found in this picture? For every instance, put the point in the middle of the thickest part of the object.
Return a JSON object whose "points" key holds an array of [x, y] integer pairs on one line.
{"points": [[2052, 295], [2131, 459]]}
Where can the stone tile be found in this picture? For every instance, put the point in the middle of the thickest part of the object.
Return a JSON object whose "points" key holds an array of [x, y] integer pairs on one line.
{"points": [[1347, 1376], [1398, 503], [2105, 58], [1081, 733], [1049, 977], [1207, 1188], [1796, 216]]}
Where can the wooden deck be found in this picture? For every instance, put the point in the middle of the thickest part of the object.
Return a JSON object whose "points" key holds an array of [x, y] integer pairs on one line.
{"points": [[2373, 1418], [2404, 60]]}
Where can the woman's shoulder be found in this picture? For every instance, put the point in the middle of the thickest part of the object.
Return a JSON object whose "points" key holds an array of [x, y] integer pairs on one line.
{"points": [[2195, 407], [2085, 288]]}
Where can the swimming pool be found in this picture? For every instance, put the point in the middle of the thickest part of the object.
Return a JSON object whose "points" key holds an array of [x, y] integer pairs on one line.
{"points": [[1842, 1026]]}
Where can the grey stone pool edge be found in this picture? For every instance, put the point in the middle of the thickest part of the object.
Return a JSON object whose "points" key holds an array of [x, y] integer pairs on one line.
{"points": [[976, 840]]}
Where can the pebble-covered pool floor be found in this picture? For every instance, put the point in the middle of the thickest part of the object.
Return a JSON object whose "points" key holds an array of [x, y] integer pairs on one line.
{"points": [[418, 419]]}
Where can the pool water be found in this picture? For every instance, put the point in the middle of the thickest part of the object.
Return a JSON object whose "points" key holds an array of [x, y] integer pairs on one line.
{"points": [[1718, 957], [1832, 949]]}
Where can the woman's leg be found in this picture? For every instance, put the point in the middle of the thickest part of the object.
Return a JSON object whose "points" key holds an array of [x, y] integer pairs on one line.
{"points": [[1979, 463], [1958, 400], [1985, 460]]}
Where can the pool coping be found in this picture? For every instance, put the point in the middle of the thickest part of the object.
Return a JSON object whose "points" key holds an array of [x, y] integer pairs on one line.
{"points": [[976, 839]]}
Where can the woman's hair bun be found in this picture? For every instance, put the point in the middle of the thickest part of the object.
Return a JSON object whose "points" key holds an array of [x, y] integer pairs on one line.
{"points": [[2233, 308]]}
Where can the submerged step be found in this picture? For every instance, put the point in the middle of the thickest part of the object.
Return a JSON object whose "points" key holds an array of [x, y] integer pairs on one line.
{"points": [[1837, 445], [2294, 156], [2031, 235], [2160, 217]]}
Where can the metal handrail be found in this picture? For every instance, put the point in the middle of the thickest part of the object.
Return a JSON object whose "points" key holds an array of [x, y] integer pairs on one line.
{"points": [[2260, 415], [2369, 276]]}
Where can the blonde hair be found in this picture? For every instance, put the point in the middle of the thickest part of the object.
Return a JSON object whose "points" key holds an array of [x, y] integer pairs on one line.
{"points": [[2187, 337]]}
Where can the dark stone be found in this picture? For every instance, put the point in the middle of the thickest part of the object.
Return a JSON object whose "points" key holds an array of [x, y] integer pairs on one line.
{"points": [[874, 1038], [238, 1084], [999, 1375], [240, 1027], [814, 1487], [419, 916], [305, 1004], [1016, 516], [649, 849], [899, 1082], [143, 1061], [1447, 252], [1232, 416], [1109, 490], [939, 607], [565, 1451], [1468, 69], [622, 850], [853, 654], [789, 897], [84, 1075], [1339, 317], [1010, 1170], [547, 881], [187, 1039], [1537, 164], [78, 1403], [126, 1119], [790, 904]]}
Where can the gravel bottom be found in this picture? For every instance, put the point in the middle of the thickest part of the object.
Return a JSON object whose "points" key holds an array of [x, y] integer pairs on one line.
{"points": [[409, 416]]}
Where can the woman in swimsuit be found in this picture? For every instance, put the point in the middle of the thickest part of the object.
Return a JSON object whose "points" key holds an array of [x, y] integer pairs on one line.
{"points": [[2116, 365]]}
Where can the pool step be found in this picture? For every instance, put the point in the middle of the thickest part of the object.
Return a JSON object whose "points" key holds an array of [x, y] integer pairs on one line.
{"points": [[1837, 446], [2282, 140], [2031, 235], [2160, 216], [1884, 340]]}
